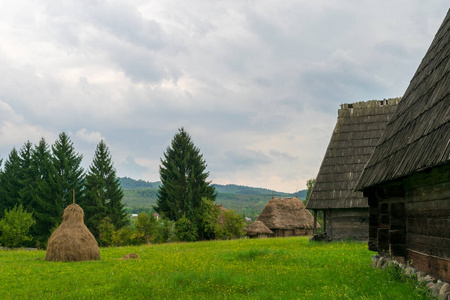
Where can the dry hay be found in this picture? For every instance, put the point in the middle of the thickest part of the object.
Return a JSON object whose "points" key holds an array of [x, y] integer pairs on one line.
{"points": [[258, 227], [286, 213], [72, 240], [129, 256]]}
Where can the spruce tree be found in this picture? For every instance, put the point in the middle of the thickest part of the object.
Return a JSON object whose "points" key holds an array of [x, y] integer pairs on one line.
{"points": [[1, 192], [103, 194], [44, 203], [26, 176], [183, 181], [68, 168], [10, 183]]}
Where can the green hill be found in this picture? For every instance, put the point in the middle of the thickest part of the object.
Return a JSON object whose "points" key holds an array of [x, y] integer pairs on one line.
{"points": [[140, 195]]}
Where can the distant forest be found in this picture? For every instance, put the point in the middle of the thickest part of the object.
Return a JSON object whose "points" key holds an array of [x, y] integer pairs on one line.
{"points": [[140, 195]]}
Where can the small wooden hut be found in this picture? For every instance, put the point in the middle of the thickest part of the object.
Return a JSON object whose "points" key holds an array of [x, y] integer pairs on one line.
{"points": [[358, 128], [287, 216], [258, 230], [407, 179]]}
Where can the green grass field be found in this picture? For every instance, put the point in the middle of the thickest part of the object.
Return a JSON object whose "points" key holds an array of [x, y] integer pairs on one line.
{"points": [[283, 268]]}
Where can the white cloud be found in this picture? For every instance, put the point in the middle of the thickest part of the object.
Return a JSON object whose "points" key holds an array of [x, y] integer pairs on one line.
{"points": [[90, 137], [15, 131]]}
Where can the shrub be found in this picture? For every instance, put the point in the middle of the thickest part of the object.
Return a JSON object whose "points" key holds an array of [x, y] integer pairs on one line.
{"points": [[232, 226], [185, 230], [15, 226], [106, 232], [145, 228]]}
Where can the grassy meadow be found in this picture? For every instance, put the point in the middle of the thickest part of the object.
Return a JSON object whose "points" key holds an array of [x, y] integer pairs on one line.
{"points": [[283, 268]]}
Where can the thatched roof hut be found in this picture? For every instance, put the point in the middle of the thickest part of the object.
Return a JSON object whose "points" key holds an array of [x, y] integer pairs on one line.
{"points": [[258, 229], [287, 216], [72, 240], [358, 128], [407, 179]]}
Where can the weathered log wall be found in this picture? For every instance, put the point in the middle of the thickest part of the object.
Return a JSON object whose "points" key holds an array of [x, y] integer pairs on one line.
{"points": [[428, 221], [410, 218], [348, 224]]}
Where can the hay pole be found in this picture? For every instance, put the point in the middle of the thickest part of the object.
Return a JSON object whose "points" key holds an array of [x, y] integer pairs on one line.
{"points": [[73, 196]]}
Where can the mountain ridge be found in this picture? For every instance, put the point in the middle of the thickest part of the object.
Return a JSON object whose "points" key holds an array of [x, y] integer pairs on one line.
{"points": [[129, 183], [141, 195]]}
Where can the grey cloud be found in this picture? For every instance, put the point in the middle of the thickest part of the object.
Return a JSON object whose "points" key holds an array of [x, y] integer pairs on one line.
{"points": [[257, 86], [283, 155], [246, 158]]}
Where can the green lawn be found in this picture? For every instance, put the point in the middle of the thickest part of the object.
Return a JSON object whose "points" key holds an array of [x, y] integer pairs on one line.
{"points": [[283, 268]]}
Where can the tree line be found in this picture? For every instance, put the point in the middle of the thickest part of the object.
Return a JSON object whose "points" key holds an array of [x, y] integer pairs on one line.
{"points": [[44, 179], [41, 180]]}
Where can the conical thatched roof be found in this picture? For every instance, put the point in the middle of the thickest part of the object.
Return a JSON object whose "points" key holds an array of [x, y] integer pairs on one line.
{"points": [[359, 127], [72, 240], [418, 135], [286, 213], [258, 227]]}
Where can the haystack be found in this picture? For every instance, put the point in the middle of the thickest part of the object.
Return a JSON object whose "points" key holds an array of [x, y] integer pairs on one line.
{"points": [[72, 240], [258, 229], [287, 216]]}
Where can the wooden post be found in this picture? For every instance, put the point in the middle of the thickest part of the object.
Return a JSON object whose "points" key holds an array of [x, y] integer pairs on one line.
{"points": [[315, 221], [325, 221], [73, 196]]}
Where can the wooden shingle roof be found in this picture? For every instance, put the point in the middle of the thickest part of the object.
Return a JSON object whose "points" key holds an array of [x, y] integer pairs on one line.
{"points": [[418, 135], [358, 128]]}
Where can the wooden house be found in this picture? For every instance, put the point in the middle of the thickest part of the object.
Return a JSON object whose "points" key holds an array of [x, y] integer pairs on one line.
{"points": [[287, 216], [407, 179], [358, 128], [258, 230]]}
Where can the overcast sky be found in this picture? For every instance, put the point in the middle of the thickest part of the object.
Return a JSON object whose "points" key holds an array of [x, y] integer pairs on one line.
{"points": [[257, 84]]}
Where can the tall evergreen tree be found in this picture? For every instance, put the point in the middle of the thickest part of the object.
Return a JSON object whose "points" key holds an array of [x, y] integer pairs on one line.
{"points": [[68, 168], [103, 194], [1, 192], [183, 181], [26, 176], [10, 183], [44, 203]]}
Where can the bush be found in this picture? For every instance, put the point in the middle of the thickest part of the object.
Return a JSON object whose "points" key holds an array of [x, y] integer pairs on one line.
{"points": [[124, 237], [185, 230], [145, 228], [107, 232], [15, 226], [165, 231], [232, 227]]}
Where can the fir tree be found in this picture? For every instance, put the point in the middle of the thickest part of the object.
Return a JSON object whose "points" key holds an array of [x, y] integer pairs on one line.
{"points": [[1, 174], [9, 183], [183, 181], [26, 176], [69, 172], [103, 194], [44, 204]]}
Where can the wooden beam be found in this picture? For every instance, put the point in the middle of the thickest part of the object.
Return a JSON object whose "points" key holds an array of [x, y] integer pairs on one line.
{"points": [[315, 221]]}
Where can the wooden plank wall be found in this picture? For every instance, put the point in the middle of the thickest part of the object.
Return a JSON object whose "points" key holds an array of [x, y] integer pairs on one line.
{"points": [[410, 219], [428, 221], [349, 224]]}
